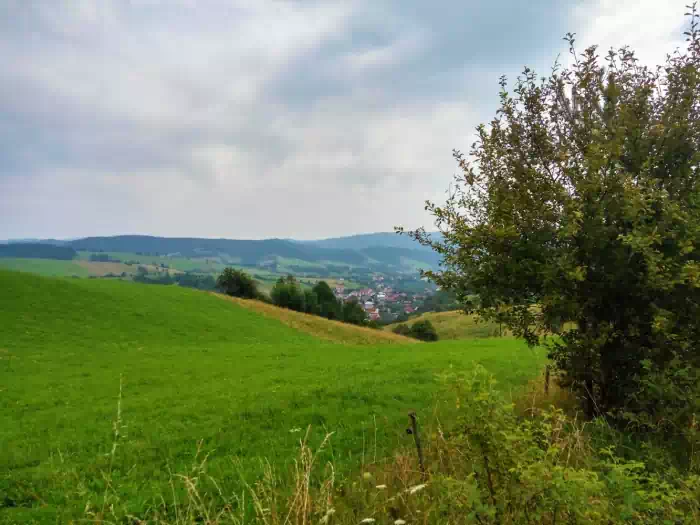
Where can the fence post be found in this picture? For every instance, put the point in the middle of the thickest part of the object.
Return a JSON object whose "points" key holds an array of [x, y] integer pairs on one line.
{"points": [[414, 430]]}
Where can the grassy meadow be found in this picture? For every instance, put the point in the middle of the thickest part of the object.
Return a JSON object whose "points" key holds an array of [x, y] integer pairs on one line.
{"points": [[185, 264], [46, 267], [195, 371], [454, 325]]}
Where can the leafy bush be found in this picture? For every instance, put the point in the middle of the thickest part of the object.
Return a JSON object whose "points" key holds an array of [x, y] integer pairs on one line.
{"points": [[237, 283], [581, 203], [401, 329], [542, 469], [423, 330], [287, 293], [353, 313], [311, 302], [328, 305]]}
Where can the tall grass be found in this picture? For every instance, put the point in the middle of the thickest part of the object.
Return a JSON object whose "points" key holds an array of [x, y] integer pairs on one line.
{"points": [[519, 460]]}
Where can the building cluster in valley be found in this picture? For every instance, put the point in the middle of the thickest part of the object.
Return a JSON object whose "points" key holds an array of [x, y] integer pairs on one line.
{"points": [[381, 301]]}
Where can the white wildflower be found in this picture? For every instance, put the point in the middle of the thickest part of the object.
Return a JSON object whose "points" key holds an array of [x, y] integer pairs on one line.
{"points": [[400, 522], [368, 520], [417, 488], [328, 515], [380, 487]]}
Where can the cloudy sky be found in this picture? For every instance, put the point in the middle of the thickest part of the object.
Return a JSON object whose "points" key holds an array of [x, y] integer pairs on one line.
{"points": [[257, 118]]}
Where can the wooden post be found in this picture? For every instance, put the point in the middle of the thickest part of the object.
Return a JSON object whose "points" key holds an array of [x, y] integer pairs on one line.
{"points": [[416, 438]]}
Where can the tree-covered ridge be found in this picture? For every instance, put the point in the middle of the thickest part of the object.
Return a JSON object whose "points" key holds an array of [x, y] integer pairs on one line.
{"points": [[252, 252], [37, 251]]}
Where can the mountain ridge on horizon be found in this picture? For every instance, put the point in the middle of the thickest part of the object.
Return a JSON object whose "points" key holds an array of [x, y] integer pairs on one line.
{"points": [[339, 239], [366, 250]]}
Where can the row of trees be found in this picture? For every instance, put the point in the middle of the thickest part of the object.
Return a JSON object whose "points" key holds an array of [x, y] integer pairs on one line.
{"points": [[288, 293], [320, 300]]}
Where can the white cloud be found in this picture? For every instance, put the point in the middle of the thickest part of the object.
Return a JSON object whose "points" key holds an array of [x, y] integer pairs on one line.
{"points": [[652, 28], [257, 118]]}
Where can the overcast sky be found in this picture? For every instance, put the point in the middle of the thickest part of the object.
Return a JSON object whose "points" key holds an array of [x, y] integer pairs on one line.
{"points": [[254, 118]]}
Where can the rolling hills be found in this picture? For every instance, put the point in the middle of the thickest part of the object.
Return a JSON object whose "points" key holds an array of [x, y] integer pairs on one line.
{"points": [[252, 252], [109, 388], [376, 252]]}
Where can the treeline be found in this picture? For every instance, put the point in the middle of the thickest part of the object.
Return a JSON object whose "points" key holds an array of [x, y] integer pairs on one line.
{"points": [[189, 280], [320, 300], [37, 251], [288, 293], [441, 301], [102, 257]]}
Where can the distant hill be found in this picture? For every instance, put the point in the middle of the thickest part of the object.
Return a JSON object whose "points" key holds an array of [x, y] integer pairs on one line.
{"points": [[374, 252], [356, 251], [37, 251], [369, 240]]}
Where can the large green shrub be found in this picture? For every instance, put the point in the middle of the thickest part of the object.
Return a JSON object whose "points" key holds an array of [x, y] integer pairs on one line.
{"points": [[580, 202], [423, 330], [237, 283], [353, 313], [543, 469], [288, 294]]}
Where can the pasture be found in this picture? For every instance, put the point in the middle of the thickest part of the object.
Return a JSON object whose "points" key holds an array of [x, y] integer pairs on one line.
{"points": [[46, 267], [111, 386], [454, 325]]}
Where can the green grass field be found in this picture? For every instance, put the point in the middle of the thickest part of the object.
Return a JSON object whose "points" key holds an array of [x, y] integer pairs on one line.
{"points": [[48, 267], [456, 325], [195, 370], [185, 264]]}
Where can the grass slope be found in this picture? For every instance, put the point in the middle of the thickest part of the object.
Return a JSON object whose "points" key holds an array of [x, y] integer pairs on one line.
{"points": [[455, 325], [47, 267], [322, 328], [196, 371]]}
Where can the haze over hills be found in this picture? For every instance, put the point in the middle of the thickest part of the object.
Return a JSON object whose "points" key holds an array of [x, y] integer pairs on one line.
{"points": [[368, 240], [366, 250]]}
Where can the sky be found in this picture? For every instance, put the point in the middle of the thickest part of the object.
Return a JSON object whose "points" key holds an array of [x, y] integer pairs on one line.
{"points": [[255, 118]]}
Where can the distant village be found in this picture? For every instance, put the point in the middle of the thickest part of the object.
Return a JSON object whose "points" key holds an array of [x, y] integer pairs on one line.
{"points": [[381, 301]]}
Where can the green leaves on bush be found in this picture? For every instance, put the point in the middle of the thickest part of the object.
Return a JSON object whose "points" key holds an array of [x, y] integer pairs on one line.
{"points": [[237, 283], [580, 203], [423, 330]]}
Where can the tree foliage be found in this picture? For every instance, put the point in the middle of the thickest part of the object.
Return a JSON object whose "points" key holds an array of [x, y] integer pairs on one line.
{"points": [[581, 202], [288, 294], [353, 313], [237, 283], [423, 330], [30, 250], [328, 305]]}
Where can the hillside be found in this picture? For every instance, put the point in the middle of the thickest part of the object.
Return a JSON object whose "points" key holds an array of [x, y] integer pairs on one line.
{"points": [[253, 252], [195, 371], [370, 240], [320, 327], [455, 325]]}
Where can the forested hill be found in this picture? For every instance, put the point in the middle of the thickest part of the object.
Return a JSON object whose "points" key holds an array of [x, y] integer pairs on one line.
{"points": [[252, 252], [36, 250], [370, 240]]}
